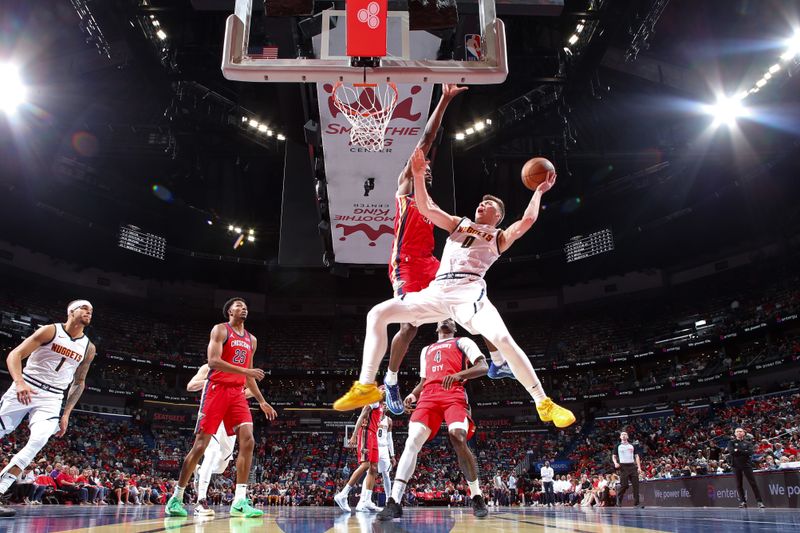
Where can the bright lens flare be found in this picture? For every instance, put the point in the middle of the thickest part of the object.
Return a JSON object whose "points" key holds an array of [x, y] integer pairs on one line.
{"points": [[726, 111], [12, 91]]}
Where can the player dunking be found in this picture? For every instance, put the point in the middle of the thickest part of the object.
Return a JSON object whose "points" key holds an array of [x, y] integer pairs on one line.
{"points": [[218, 454], [365, 441], [59, 356], [230, 358], [412, 265], [443, 371], [459, 291]]}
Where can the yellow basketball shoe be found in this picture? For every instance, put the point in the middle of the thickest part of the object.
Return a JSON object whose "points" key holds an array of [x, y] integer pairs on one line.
{"points": [[359, 395], [549, 411]]}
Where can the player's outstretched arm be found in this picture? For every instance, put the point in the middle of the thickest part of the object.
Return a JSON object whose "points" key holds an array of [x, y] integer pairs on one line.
{"points": [[449, 91], [519, 228], [425, 205], [198, 380], [76, 390], [215, 362], [40, 337]]}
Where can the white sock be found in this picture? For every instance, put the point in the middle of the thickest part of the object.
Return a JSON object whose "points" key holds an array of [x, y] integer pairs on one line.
{"points": [[537, 392], [241, 491], [398, 489], [366, 495], [6, 480], [202, 489], [178, 492], [346, 490], [497, 358], [391, 377], [474, 488]]}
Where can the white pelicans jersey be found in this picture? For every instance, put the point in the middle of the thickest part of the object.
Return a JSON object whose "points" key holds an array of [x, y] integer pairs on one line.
{"points": [[471, 249], [54, 364]]}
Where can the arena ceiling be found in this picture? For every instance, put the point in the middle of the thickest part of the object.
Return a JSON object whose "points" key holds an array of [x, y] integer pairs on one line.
{"points": [[110, 118]]}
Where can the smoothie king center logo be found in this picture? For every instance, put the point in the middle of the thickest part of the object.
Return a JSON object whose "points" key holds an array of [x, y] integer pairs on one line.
{"points": [[371, 220]]}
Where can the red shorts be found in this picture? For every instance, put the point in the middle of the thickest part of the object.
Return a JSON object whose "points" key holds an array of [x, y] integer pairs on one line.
{"points": [[448, 406], [412, 274], [222, 405], [367, 447]]}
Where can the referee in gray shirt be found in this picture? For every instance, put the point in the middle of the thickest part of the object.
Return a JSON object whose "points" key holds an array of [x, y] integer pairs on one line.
{"points": [[626, 460]]}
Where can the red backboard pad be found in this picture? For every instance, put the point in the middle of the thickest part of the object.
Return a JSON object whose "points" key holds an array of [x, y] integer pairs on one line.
{"points": [[366, 28]]}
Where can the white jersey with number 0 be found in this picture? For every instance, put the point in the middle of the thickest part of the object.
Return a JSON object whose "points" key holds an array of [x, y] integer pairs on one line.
{"points": [[55, 363], [471, 249]]}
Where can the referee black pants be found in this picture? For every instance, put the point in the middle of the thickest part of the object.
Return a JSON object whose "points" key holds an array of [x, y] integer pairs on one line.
{"points": [[628, 474], [748, 473]]}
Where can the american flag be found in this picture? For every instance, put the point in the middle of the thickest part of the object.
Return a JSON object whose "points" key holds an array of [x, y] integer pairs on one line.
{"points": [[263, 52]]}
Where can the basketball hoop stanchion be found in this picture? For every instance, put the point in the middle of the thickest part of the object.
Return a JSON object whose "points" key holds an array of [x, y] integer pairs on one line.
{"points": [[368, 109]]}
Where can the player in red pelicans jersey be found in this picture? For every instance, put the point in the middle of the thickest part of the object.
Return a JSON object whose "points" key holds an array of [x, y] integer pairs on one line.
{"points": [[230, 358], [365, 442], [440, 396], [412, 265]]}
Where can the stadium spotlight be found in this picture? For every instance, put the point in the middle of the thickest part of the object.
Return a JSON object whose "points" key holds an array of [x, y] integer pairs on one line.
{"points": [[281, 137], [792, 47], [460, 136], [726, 111], [12, 90]]}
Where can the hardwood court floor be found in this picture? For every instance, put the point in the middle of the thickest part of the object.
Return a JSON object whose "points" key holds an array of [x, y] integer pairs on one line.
{"points": [[55, 518]]}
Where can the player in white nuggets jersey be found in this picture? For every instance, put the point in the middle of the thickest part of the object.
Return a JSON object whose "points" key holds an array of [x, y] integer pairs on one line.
{"points": [[218, 454], [58, 357], [458, 291], [386, 460]]}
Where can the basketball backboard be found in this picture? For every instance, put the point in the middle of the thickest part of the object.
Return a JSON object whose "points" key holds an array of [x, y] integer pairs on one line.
{"points": [[401, 65]]}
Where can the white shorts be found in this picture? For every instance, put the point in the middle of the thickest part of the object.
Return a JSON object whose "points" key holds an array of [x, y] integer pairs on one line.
{"points": [[44, 411], [459, 299], [384, 461], [221, 445]]}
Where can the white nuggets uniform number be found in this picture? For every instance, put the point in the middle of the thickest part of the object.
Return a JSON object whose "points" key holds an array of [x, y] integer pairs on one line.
{"points": [[471, 249], [54, 364]]}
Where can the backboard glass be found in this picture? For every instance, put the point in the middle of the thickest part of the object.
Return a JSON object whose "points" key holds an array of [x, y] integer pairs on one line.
{"points": [[402, 65]]}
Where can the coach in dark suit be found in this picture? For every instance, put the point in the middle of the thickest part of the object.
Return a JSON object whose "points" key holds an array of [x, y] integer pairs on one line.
{"points": [[740, 452]]}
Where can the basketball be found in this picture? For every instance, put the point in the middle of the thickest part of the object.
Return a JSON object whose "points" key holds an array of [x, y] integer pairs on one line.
{"points": [[535, 172]]}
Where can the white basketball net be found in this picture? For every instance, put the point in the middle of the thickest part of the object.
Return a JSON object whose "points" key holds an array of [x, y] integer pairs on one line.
{"points": [[368, 108]]}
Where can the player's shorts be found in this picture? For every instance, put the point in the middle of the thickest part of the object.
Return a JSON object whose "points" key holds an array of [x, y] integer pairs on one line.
{"points": [[221, 449], [412, 274], [44, 411], [461, 299], [367, 446], [433, 408], [222, 405], [384, 461]]}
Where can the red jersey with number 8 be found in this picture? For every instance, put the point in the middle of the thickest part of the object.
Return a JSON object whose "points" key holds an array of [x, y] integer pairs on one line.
{"points": [[238, 351]]}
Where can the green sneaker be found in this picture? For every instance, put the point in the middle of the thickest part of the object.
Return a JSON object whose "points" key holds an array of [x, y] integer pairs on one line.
{"points": [[242, 507], [175, 507]]}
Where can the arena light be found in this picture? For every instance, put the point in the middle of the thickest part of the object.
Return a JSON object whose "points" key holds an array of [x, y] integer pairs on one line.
{"points": [[251, 232], [573, 39], [253, 123], [774, 68], [237, 229], [230, 227], [470, 131], [460, 136], [262, 128], [161, 35], [726, 111], [760, 83], [251, 238], [281, 137], [488, 122], [12, 90], [792, 47], [479, 125], [244, 119]]}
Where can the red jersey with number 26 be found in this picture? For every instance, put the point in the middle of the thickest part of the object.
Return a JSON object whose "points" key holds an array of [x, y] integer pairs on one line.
{"points": [[238, 351]]}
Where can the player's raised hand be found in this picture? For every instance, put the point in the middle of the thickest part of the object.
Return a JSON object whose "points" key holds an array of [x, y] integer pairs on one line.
{"points": [[269, 412], [24, 392], [418, 162], [451, 90], [255, 373], [62, 426], [548, 183], [448, 381]]}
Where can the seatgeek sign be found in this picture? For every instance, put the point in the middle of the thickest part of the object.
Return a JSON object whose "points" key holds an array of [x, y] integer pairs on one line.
{"points": [[362, 184]]}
